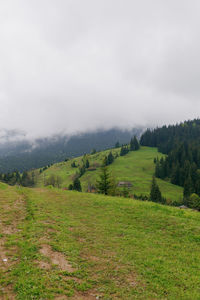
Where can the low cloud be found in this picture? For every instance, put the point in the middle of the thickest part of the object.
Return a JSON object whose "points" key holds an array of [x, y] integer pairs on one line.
{"points": [[72, 66], [7, 136]]}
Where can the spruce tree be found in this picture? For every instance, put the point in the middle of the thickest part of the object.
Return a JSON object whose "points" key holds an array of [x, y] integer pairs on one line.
{"points": [[18, 177], [134, 145], [70, 188], [155, 194], [73, 164], [157, 169], [124, 150], [175, 174], [77, 185], [104, 183], [87, 164], [81, 170], [110, 158]]}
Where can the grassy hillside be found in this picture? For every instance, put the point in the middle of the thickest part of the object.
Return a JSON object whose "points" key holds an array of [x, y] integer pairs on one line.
{"points": [[136, 167], [58, 244]]}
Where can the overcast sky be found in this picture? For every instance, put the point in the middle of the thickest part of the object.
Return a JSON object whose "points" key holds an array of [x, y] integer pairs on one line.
{"points": [[77, 65]]}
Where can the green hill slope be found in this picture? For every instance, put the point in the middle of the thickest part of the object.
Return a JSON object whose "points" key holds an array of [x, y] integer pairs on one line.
{"points": [[136, 167], [59, 244]]}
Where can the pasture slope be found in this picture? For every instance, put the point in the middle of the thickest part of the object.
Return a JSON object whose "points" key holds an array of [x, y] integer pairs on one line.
{"points": [[137, 167], [57, 244]]}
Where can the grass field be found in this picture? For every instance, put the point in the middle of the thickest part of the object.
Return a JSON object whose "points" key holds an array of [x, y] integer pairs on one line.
{"points": [[58, 244], [136, 167]]}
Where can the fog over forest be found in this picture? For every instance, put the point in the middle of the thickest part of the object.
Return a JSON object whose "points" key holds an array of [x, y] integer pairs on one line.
{"points": [[76, 66]]}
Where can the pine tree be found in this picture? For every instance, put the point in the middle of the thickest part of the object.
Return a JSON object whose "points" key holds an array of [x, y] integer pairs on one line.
{"points": [[18, 177], [110, 158], [26, 180], [70, 188], [87, 164], [124, 150], [155, 194], [81, 170], [157, 169], [104, 183], [73, 164], [134, 145], [175, 174], [77, 185]]}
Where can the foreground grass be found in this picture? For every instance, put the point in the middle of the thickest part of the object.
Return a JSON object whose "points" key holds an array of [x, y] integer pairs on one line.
{"points": [[136, 167], [118, 248]]}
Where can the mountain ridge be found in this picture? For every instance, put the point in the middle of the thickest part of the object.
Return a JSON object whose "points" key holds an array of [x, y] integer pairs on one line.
{"points": [[25, 154]]}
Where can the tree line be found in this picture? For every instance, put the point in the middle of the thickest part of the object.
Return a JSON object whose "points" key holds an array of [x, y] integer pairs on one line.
{"points": [[181, 143], [133, 146], [25, 179]]}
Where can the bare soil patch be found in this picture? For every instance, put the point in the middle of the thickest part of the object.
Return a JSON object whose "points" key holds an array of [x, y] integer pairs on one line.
{"points": [[85, 296], [44, 265], [57, 258], [7, 294], [9, 229], [132, 280]]}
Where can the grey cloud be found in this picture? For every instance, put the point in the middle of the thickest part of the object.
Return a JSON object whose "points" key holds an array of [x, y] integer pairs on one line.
{"points": [[7, 135], [68, 66]]}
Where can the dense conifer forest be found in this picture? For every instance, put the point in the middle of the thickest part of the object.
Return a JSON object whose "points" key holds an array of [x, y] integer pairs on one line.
{"points": [[181, 143]]}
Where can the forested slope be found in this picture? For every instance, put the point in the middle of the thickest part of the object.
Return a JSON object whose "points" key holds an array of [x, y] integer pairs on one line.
{"points": [[136, 167], [181, 143]]}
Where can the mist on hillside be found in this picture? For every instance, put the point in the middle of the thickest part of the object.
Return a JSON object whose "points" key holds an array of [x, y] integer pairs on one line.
{"points": [[24, 154], [76, 66]]}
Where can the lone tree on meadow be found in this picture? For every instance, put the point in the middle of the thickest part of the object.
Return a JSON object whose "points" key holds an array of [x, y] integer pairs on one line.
{"points": [[104, 182], [76, 185], [155, 194]]}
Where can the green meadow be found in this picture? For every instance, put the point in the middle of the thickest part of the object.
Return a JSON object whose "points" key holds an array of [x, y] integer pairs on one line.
{"points": [[58, 244], [136, 167]]}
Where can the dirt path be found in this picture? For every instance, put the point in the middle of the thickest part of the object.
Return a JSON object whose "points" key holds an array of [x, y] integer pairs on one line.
{"points": [[12, 212]]}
